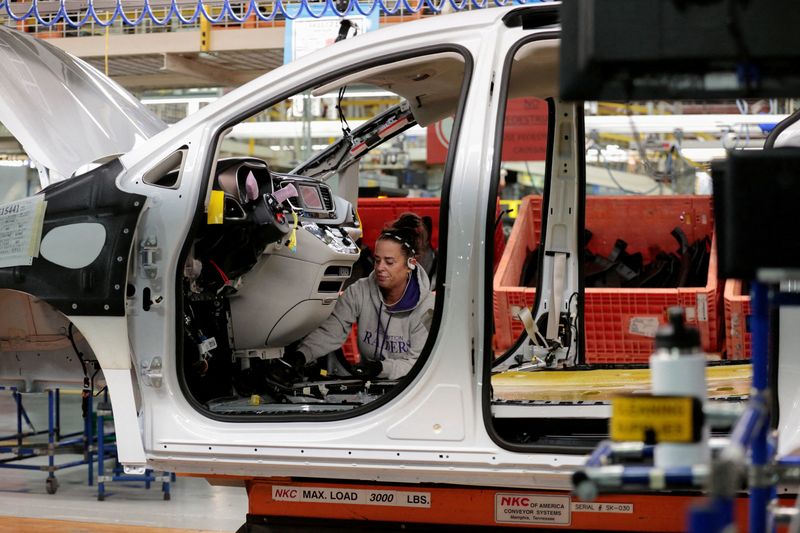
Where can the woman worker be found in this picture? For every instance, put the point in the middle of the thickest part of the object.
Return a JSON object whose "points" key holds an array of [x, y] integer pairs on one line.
{"points": [[393, 307]]}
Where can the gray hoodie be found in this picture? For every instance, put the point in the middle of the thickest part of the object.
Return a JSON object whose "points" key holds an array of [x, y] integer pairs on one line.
{"points": [[393, 336]]}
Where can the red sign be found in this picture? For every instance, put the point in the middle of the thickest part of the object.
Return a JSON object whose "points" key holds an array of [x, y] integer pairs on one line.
{"points": [[524, 134]]}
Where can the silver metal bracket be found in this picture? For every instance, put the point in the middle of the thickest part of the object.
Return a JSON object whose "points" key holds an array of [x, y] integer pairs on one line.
{"points": [[150, 255], [134, 470], [152, 372]]}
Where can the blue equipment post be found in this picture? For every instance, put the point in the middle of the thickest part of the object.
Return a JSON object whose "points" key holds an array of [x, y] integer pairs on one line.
{"points": [[18, 401], [51, 484], [759, 458], [101, 454], [56, 441], [87, 437], [57, 427]]}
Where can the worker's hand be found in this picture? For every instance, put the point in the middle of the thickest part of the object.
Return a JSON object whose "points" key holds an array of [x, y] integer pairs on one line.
{"points": [[288, 369], [367, 369]]}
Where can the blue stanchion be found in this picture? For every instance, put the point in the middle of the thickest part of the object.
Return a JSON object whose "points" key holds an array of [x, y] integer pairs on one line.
{"points": [[51, 460], [759, 458], [715, 515], [56, 442]]}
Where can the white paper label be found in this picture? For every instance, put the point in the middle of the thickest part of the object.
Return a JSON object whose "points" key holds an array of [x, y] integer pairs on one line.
{"points": [[594, 507], [531, 509], [21, 231], [702, 308], [208, 345], [646, 326], [392, 498]]}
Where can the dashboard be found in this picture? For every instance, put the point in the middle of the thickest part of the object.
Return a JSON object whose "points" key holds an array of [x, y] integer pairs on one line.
{"points": [[244, 181], [278, 214], [259, 278]]}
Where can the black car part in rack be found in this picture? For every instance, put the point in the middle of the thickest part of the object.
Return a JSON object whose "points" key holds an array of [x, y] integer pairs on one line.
{"points": [[687, 266]]}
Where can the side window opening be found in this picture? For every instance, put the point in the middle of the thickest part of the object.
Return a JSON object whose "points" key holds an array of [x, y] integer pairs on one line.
{"points": [[645, 244], [289, 307], [168, 172]]}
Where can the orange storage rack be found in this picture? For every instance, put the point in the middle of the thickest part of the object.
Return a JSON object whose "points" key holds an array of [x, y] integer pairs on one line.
{"points": [[619, 322], [737, 318]]}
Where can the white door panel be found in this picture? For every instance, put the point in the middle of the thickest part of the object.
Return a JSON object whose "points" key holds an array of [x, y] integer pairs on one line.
{"points": [[436, 421]]}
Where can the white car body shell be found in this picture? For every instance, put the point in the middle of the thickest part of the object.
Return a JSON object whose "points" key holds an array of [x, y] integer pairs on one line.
{"points": [[435, 430]]}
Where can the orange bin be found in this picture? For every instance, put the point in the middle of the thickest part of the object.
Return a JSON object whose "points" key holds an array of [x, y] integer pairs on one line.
{"points": [[737, 321], [350, 347], [619, 323], [375, 213]]}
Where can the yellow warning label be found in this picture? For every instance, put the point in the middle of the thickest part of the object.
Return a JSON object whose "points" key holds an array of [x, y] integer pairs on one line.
{"points": [[512, 206], [216, 207], [654, 419]]}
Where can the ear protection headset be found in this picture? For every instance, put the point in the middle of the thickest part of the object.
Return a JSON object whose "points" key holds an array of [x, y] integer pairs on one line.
{"points": [[411, 263]]}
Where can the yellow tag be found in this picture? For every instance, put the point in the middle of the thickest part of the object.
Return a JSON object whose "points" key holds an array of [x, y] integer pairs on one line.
{"points": [[663, 418], [293, 236], [323, 373], [512, 206], [216, 207], [255, 399]]}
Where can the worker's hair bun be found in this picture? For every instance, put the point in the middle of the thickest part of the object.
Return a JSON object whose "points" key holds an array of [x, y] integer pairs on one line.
{"points": [[406, 230]]}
